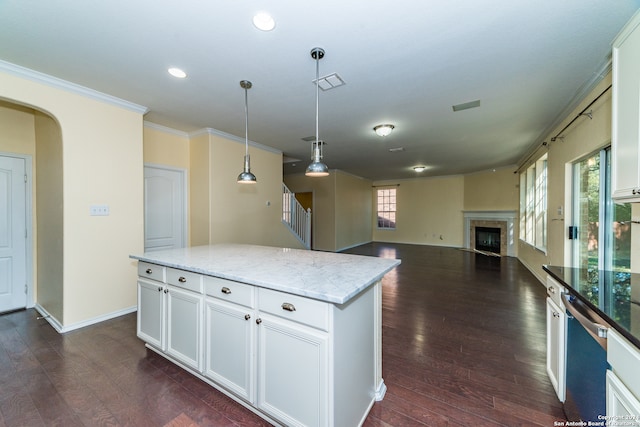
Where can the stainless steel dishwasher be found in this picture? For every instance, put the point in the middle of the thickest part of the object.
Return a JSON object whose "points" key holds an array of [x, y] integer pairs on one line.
{"points": [[587, 365]]}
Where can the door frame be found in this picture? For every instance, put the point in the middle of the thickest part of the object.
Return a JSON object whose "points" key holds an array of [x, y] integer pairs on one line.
{"points": [[29, 255], [184, 199]]}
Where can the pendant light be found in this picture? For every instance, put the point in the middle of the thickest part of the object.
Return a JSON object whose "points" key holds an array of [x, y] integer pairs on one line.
{"points": [[246, 177], [317, 168]]}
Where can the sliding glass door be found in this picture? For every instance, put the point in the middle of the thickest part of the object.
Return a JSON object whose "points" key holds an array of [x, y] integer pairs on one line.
{"points": [[601, 229]]}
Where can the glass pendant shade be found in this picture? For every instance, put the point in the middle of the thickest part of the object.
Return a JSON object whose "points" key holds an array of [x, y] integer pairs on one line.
{"points": [[317, 168], [246, 177]]}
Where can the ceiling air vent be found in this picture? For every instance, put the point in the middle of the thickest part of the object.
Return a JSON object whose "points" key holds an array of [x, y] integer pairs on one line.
{"points": [[329, 82], [466, 105]]}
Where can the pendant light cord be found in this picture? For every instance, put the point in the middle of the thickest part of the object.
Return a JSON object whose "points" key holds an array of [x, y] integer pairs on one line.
{"points": [[317, 97], [246, 123]]}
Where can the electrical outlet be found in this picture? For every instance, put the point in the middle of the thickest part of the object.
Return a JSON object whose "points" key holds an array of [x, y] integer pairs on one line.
{"points": [[99, 210]]}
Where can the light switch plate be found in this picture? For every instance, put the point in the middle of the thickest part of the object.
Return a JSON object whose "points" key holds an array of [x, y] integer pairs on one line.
{"points": [[99, 210]]}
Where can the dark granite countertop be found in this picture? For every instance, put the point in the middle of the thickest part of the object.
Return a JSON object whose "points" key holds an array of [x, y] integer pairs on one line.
{"points": [[615, 296]]}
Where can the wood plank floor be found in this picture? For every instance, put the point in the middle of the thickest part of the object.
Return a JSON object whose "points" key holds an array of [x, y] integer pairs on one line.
{"points": [[463, 345]]}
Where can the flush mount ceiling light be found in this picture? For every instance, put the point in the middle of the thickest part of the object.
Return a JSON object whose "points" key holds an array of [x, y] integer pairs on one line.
{"points": [[383, 130], [246, 177], [317, 168], [419, 168], [263, 21], [177, 73]]}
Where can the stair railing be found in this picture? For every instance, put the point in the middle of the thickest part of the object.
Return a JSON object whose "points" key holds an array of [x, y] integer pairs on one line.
{"points": [[295, 217]]}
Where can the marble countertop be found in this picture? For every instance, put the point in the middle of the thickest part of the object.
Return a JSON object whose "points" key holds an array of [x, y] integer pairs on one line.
{"points": [[325, 276]]}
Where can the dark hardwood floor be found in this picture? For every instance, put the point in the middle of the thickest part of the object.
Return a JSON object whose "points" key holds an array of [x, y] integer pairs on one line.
{"points": [[463, 345]]}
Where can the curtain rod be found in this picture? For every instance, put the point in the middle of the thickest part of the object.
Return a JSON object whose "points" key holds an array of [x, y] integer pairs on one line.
{"points": [[582, 113], [545, 143]]}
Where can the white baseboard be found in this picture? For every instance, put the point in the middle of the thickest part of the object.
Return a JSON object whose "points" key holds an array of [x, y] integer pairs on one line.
{"points": [[58, 326]]}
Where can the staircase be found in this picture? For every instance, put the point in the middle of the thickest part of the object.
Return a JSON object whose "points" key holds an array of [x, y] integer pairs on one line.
{"points": [[296, 217]]}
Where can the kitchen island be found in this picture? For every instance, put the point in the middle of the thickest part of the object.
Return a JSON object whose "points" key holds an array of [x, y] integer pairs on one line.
{"points": [[294, 335]]}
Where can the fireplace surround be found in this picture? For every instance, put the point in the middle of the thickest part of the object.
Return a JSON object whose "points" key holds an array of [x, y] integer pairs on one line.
{"points": [[502, 220]]}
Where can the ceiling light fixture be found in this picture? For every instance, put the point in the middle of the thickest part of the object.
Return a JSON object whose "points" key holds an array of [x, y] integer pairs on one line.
{"points": [[419, 168], [177, 73], [263, 21], [383, 130], [317, 168], [246, 177]]}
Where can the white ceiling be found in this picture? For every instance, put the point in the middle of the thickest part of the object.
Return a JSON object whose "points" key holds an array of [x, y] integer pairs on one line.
{"points": [[405, 62]]}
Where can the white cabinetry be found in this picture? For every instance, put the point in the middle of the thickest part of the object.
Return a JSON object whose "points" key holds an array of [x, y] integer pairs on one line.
{"points": [[230, 336], [170, 312], [556, 338], [625, 122], [294, 360], [623, 381]]}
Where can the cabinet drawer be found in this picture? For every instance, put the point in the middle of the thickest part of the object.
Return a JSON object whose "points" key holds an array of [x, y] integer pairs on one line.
{"points": [[624, 359], [185, 279], [151, 271], [228, 290], [554, 291], [299, 309]]}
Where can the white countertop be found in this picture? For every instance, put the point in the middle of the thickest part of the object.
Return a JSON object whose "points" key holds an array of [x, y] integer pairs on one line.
{"points": [[324, 276]]}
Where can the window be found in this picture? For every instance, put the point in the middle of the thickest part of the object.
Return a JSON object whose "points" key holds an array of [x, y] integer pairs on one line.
{"points": [[533, 204], [603, 228], [387, 208]]}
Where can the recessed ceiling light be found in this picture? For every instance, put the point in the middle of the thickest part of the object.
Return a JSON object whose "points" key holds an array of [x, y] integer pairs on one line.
{"points": [[177, 73], [263, 21], [419, 168]]}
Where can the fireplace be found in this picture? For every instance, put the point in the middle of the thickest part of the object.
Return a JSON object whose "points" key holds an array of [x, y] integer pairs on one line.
{"points": [[504, 244], [488, 239]]}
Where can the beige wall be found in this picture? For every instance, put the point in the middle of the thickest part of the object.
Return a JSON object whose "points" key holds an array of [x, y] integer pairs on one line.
{"points": [[102, 164], [496, 190], [49, 214], [164, 147], [429, 212], [354, 210], [581, 138], [341, 213]]}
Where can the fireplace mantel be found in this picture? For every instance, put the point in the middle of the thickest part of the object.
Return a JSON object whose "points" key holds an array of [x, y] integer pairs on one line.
{"points": [[506, 218]]}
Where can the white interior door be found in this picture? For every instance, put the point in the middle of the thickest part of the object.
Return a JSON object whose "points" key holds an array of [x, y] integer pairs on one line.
{"points": [[164, 208], [13, 267]]}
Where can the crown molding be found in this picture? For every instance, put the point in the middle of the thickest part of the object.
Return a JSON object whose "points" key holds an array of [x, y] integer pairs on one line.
{"points": [[66, 86], [165, 129], [211, 131]]}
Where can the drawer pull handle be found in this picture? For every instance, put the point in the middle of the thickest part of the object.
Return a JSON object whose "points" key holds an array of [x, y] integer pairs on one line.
{"points": [[182, 279], [551, 290], [288, 306], [556, 314], [159, 288], [166, 291], [149, 271], [225, 290], [258, 321], [247, 316]]}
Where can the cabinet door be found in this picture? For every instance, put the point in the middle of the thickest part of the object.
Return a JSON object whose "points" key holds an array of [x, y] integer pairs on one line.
{"points": [[556, 333], [184, 326], [626, 113], [292, 372], [151, 313], [623, 408], [229, 347]]}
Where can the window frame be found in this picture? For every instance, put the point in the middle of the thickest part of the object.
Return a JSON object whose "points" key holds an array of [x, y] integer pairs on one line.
{"points": [[388, 219], [533, 204]]}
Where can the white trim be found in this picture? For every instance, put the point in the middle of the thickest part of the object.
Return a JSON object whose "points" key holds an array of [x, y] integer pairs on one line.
{"points": [[67, 86], [211, 131], [165, 129], [28, 170], [55, 323]]}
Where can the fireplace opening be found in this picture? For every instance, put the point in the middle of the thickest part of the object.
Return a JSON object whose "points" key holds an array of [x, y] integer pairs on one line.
{"points": [[488, 239]]}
